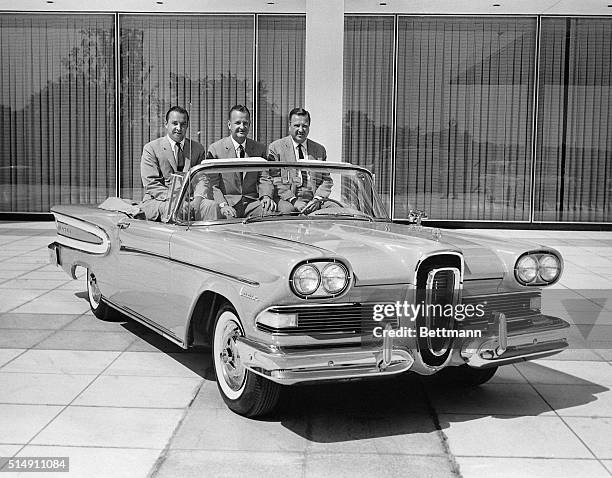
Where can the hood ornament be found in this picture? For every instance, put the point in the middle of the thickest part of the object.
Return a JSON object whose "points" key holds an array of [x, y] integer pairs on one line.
{"points": [[436, 234], [416, 216]]}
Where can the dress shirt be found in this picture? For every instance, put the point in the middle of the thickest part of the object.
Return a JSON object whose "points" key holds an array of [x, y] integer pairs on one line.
{"points": [[237, 146]]}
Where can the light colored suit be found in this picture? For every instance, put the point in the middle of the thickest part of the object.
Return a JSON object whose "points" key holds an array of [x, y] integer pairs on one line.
{"points": [[282, 150], [231, 188], [156, 166]]}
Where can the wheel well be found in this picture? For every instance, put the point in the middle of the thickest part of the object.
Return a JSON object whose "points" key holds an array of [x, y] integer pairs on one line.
{"points": [[203, 317]]}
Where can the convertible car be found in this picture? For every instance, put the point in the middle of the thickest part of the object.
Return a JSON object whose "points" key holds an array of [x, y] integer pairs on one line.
{"points": [[333, 292]]}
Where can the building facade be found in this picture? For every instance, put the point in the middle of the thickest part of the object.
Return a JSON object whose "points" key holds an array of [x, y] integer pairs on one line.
{"points": [[475, 112]]}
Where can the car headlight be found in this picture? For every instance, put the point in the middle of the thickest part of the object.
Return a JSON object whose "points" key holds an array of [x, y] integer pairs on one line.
{"points": [[537, 268], [334, 278], [306, 279], [527, 269], [550, 267]]}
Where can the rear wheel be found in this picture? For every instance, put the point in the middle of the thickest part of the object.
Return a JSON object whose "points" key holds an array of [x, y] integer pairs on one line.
{"points": [[99, 308], [466, 376], [244, 392]]}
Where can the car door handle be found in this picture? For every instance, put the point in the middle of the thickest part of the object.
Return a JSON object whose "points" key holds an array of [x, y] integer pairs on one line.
{"points": [[123, 225]]}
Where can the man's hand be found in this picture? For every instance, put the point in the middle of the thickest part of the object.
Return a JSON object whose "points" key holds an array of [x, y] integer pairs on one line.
{"points": [[228, 211], [312, 206], [267, 204]]}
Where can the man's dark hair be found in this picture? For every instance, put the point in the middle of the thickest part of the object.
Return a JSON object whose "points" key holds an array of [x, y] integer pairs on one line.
{"points": [[299, 112], [178, 109], [239, 108]]}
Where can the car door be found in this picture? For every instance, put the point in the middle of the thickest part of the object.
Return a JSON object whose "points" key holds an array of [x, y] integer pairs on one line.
{"points": [[144, 269]]}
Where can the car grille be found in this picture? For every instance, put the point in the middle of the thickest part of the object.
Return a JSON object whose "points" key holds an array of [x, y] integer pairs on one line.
{"points": [[354, 319], [515, 306]]}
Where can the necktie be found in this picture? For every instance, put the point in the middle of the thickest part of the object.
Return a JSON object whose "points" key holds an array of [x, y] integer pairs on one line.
{"points": [[303, 173], [240, 151], [300, 151], [180, 157]]}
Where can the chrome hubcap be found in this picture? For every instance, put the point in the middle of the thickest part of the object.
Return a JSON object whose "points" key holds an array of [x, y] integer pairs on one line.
{"points": [[233, 370]]}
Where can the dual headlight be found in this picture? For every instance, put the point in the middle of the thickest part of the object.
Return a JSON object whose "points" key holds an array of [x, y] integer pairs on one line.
{"points": [[320, 278], [537, 268]]}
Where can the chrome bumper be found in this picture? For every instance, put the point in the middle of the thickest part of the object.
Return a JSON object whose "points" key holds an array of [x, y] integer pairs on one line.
{"points": [[293, 366]]}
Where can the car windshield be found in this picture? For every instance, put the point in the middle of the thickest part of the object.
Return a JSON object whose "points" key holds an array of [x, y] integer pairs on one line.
{"points": [[267, 191]]}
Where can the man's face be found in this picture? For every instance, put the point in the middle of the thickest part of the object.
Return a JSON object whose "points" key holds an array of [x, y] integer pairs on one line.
{"points": [[239, 124], [176, 126], [299, 127]]}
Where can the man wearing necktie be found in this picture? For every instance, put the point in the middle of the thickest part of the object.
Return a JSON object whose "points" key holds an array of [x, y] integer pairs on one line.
{"points": [[302, 193], [170, 154], [238, 194]]}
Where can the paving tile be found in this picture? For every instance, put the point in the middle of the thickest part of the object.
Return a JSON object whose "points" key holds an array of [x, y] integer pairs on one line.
{"points": [[9, 450], [567, 372], [40, 388], [208, 397], [111, 427], [151, 392], [503, 398], [42, 306], [35, 321], [88, 322], [507, 374], [595, 432], [14, 338], [157, 364], [9, 299], [533, 467], [202, 428], [6, 355], [21, 422], [98, 462], [537, 437], [578, 400], [184, 464], [32, 284], [577, 354], [61, 361], [86, 340]]}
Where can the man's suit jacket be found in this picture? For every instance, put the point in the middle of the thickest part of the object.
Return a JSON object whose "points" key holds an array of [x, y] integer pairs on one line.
{"points": [[158, 163], [231, 187], [282, 150]]}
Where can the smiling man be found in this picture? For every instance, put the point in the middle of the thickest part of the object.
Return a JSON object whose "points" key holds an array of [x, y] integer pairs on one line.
{"points": [[304, 193], [239, 195], [170, 154]]}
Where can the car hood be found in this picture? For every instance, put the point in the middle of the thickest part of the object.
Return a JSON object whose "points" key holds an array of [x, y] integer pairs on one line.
{"points": [[378, 252]]}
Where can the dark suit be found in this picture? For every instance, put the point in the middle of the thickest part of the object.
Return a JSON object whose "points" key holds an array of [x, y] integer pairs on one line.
{"points": [[156, 166], [283, 150], [242, 194]]}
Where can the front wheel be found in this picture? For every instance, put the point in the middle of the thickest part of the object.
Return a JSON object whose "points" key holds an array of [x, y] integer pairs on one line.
{"points": [[244, 392]]}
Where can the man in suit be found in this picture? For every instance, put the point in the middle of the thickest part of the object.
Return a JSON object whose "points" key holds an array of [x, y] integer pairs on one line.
{"points": [[170, 154], [239, 195], [301, 192]]}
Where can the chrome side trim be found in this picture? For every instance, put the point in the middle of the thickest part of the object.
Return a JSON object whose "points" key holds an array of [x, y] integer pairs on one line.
{"points": [[147, 322], [176, 261], [92, 248]]}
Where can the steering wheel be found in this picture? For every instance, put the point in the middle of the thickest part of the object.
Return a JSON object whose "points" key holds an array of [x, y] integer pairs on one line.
{"points": [[323, 201]]}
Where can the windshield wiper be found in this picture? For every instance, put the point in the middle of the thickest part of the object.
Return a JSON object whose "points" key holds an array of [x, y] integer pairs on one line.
{"points": [[321, 212], [263, 217]]}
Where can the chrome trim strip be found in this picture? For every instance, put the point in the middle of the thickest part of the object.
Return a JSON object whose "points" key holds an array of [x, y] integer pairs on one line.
{"points": [[147, 322], [100, 249], [201, 268], [438, 253]]}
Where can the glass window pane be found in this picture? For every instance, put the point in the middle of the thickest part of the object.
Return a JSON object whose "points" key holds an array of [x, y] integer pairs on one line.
{"points": [[574, 143], [464, 117], [280, 65], [203, 63], [368, 97], [57, 102]]}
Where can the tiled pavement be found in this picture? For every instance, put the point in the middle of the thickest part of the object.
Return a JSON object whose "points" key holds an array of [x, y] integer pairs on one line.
{"points": [[119, 401]]}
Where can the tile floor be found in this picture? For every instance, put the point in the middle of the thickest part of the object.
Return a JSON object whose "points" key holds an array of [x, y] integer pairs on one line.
{"points": [[120, 401]]}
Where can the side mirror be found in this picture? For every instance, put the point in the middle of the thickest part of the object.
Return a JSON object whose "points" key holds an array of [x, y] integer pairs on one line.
{"points": [[176, 184]]}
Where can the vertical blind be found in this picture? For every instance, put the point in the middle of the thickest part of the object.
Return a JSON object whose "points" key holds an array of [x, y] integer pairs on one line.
{"points": [[280, 73], [57, 102], [368, 97], [203, 63], [464, 117], [574, 144]]}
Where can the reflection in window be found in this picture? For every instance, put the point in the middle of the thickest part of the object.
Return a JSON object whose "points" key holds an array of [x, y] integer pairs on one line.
{"points": [[464, 116], [368, 97], [574, 146], [57, 103]]}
